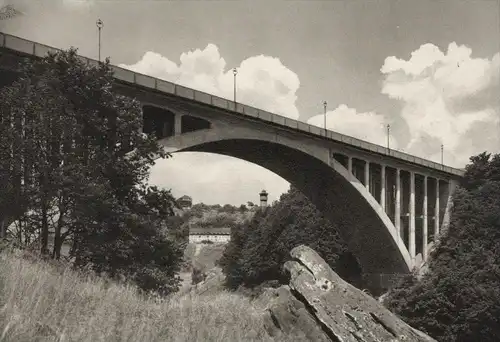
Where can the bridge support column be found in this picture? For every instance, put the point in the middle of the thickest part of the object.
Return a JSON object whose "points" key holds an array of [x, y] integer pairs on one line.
{"points": [[412, 217], [448, 206], [349, 164], [397, 214], [178, 124], [382, 187], [367, 175], [424, 217], [436, 213]]}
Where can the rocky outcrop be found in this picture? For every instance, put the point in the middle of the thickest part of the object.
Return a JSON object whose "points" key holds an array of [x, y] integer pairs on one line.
{"points": [[321, 306]]}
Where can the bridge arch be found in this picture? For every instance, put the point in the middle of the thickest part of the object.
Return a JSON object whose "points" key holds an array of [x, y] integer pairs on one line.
{"points": [[338, 194]]}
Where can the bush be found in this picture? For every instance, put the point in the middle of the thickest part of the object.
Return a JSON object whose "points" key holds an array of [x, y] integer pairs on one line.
{"points": [[197, 275], [260, 246]]}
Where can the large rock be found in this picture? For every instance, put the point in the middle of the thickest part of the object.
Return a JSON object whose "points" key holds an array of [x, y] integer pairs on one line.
{"points": [[324, 307]]}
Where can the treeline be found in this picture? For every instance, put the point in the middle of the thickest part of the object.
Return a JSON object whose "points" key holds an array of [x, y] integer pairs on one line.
{"points": [[259, 247], [73, 167], [458, 299]]}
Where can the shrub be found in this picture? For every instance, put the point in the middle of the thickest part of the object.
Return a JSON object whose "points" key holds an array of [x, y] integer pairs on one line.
{"points": [[259, 247]]}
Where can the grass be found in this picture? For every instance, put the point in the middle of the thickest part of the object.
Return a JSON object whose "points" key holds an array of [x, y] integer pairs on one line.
{"points": [[42, 302]]}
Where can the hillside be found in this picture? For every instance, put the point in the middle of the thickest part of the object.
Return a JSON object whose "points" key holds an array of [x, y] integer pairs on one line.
{"points": [[44, 302], [216, 216], [204, 256]]}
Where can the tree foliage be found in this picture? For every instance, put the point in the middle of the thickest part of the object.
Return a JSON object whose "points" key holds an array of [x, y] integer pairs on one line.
{"points": [[67, 170], [459, 298], [259, 248]]}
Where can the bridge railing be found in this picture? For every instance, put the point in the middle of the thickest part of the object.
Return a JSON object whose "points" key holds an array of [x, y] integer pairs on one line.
{"points": [[125, 75]]}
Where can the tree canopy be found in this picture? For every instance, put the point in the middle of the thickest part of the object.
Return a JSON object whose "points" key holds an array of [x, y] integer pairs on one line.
{"points": [[66, 171], [259, 247]]}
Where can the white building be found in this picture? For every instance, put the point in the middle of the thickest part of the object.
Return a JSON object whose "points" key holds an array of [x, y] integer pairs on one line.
{"points": [[216, 235]]}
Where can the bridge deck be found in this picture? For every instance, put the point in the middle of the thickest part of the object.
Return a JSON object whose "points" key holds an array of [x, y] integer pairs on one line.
{"points": [[30, 48]]}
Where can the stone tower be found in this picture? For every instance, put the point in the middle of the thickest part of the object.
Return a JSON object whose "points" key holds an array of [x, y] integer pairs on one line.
{"points": [[263, 199]]}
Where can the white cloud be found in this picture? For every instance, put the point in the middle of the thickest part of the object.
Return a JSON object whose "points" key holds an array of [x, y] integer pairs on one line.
{"points": [[262, 82], [367, 126], [448, 98]]}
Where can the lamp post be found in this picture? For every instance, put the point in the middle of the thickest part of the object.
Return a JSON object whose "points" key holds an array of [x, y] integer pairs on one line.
{"points": [[99, 25], [235, 72], [388, 136], [324, 107], [442, 154]]}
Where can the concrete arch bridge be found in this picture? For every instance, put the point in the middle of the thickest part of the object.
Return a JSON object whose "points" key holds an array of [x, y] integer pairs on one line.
{"points": [[389, 206]]}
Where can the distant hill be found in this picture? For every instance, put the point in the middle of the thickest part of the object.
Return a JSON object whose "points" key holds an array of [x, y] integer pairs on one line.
{"points": [[216, 216]]}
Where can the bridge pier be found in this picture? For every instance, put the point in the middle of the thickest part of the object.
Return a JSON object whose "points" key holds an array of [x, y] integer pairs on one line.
{"points": [[367, 175], [411, 225], [436, 212], [397, 215], [382, 187], [424, 222], [177, 124]]}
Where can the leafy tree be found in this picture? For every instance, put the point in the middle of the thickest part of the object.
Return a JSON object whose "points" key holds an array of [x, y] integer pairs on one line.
{"points": [[258, 250], [459, 298], [72, 150], [476, 173]]}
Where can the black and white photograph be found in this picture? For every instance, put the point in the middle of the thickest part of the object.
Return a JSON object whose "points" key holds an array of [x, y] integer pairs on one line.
{"points": [[250, 170]]}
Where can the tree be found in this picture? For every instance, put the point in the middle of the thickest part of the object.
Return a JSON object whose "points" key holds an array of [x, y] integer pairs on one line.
{"points": [[258, 250], [476, 173], [68, 158], [459, 298]]}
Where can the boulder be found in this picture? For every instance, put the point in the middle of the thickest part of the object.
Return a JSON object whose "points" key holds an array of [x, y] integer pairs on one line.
{"points": [[324, 307]]}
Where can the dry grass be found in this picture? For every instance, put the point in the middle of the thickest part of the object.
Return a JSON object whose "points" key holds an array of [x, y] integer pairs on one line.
{"points": [[208, 256], [39, 302]]}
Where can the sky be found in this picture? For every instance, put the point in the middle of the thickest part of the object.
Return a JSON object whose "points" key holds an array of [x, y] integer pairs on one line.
{"points": [[430, 69]]}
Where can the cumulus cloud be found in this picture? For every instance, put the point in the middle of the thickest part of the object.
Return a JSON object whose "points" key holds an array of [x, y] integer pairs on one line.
{"points": [[448, 98], [368, 126], [262, 82]]}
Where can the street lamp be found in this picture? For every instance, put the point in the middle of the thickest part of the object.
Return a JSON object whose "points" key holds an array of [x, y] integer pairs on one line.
{"points": [[324, 107], [388, 135], [99, 25], [442, 154], [235, 72]]}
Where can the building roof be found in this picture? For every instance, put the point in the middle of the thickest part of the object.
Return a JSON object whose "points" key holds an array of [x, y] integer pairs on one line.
{"points": [[209, 231], [185, 198]]}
